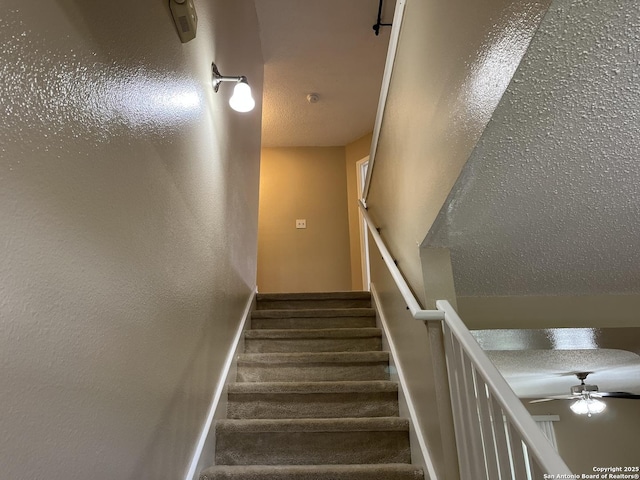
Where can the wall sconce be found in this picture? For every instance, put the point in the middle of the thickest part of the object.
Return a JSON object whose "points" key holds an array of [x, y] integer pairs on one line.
{"points": [[241, 100]]}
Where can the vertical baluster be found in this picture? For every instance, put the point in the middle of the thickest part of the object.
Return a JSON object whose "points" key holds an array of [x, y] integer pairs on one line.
{"points": [[502, 448], [454, 369], [488, 437], [443, 398], [474, 433], [464, 410], [517, 453]]}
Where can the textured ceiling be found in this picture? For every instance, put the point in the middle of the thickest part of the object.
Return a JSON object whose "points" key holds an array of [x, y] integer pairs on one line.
{"points": [[538, 363], [549, 201], [326, 47], [533, 374]]}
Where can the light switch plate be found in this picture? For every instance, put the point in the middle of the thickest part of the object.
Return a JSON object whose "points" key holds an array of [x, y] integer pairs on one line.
{"points": [[301, 223]]}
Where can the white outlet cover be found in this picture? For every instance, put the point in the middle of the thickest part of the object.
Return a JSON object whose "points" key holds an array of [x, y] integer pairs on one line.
{"points": [[301, 223]]}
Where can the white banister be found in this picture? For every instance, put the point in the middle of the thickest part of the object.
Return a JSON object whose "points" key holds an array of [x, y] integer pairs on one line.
{"points": [[412, 304], [519, 418], [384, 89], [496, 437]]}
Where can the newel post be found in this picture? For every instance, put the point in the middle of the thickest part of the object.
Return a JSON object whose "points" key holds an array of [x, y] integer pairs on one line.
{"points": [[438, 284]]}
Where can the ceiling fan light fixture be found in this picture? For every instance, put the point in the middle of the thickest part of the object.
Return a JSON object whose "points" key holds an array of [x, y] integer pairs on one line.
{"points": [[588, 406]]}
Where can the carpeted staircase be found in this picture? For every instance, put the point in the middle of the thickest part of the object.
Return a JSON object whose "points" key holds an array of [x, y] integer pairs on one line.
{"points": [[312, 398]]}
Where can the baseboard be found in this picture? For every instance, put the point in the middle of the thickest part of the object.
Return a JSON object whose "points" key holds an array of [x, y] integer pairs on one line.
{"points": [[406, 403], [203, 453]]}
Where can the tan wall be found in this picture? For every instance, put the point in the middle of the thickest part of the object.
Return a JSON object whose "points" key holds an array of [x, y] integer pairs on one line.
{"points": [[414, 357], [550, 311], [444, 88], [355, 152], [609, 439], [128, 212], [303, 183], [442, 94]]}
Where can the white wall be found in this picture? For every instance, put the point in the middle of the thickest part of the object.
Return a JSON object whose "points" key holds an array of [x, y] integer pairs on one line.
{"points": [[128, 212]]}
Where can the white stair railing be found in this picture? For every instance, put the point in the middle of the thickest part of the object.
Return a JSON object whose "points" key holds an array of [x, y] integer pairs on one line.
{"points": [[496, 438]]}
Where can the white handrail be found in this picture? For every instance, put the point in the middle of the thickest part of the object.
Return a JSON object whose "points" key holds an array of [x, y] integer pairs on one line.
{"points": [[496, 435], [384, 90], [413, 305]]}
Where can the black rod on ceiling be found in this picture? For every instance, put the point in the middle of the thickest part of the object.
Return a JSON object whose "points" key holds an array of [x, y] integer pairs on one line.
{"points": [[376, 27]]}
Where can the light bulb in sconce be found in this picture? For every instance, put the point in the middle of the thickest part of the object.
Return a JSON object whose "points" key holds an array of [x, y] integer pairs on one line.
{"points": [[241, 100]]}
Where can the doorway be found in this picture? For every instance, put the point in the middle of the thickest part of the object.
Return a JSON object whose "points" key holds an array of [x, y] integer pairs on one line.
{"points": [[361, 174]]}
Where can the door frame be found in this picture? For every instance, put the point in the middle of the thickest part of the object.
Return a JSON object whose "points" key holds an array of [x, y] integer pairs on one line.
{"points": [[361, 174]]}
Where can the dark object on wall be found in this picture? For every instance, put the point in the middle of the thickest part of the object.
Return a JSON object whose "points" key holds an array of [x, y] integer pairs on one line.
{"points": [[376, 27]]}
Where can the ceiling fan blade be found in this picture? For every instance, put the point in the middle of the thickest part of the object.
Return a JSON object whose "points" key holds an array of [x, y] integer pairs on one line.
{"points": [[553, 397], [631, 396]]}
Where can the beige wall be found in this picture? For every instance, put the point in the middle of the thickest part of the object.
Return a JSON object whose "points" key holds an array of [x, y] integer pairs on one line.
{"points": [[354, 152], [444, 88], [550, 311], [303, 183], [609, 439], [128, 211], [413, 354]]}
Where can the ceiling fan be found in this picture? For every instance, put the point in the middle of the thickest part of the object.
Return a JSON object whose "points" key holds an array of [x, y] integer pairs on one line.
{"points": [[587, 396]]}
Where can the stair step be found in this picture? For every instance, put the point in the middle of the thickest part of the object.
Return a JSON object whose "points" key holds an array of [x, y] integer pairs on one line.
{"points": [[396, 471], [312, 400], [313, 340], [312, 367], [270, 301], [312, 441], [314, 318]]}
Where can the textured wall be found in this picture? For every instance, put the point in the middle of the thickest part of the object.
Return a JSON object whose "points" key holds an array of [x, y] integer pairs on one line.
{"points": [[454, 61], [128, 212], [303, 183], [548, 203]]}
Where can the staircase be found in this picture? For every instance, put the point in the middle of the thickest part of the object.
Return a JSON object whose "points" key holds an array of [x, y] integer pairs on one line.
{"points": [[312, 398]]}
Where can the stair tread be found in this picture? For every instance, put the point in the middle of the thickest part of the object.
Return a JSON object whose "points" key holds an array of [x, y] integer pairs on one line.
{"points": [[314, 313], [313, 387], [313, 333], [313, 357], [314, 425], [309, 472], [315, 300], [313, 400], [314, 296]]}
